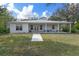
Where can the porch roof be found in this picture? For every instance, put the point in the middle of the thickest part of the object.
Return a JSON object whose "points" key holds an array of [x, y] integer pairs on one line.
{"points": [[39, 21]]}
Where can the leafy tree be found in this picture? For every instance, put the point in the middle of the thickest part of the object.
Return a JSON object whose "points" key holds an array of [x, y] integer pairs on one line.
{"points": [[70, 12], [4, 18]]}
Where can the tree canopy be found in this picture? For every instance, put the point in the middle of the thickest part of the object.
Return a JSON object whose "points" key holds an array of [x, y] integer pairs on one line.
{"points": [[5, 16], [70, 12]]}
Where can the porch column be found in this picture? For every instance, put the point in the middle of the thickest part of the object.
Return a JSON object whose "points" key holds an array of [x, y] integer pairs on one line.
{"points": [[70, 28], [58, 27], [45, 27]]}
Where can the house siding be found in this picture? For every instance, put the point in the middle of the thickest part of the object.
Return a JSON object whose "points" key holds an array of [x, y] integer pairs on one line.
{"points": [[13, 28], [47, 26]]}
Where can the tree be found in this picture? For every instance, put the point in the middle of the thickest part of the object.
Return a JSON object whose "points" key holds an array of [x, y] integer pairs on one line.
{"points": [[70, 12], [4, 18]]}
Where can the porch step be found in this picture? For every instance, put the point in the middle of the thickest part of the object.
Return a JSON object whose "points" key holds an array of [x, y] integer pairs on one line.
{"points": [[37, 37]]}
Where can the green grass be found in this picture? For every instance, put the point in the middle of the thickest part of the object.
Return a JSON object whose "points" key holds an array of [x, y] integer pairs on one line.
{"points": [[53, 45], [72, 39], [10, 42]]}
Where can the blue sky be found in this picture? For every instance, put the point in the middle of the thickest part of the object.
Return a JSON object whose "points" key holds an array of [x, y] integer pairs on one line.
{"points": [[41, 9]]}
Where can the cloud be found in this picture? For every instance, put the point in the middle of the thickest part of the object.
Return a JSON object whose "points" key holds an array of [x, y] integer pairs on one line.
{"points": [[2, 3], [30, 9], [11, 5], [22, 14], [11, 8], [44, 14], [26, 12], [35, 14]]}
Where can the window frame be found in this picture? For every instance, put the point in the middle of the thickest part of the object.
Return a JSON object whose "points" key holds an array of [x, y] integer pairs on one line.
{"points": [[19, 28]]}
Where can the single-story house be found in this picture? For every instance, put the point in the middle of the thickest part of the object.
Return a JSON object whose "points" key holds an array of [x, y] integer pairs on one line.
{"points": [[38, 26]]}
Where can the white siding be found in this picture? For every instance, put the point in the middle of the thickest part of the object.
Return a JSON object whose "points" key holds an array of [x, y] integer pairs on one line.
{"points": [[25, 28], [13, 28]]}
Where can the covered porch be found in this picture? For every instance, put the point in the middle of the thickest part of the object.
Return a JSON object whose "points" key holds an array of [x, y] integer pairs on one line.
{"points": [[49, 27]]}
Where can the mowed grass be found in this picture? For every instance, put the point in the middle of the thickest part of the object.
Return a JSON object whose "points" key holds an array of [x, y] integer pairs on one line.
{"points": [[11, 44], [72, 39], [53, 45], [63, 44]]}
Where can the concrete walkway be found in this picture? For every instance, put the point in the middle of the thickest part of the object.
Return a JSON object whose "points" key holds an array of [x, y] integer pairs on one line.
{"points": [[37, 37]]}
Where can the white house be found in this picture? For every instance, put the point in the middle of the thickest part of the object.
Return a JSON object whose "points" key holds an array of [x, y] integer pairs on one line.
{"points": [[38, 26]]}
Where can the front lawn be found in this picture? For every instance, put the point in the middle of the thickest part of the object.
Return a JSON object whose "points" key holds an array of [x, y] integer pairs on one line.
{"points": [[11, 43], [72, 39], [53, 45], [62, 44]]}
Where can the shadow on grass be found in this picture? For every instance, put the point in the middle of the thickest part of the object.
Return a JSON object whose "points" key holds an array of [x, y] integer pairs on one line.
{"points": [[46, 48]]}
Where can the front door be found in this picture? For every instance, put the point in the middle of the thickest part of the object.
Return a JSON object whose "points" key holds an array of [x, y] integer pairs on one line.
{"points": [[36, 28]]}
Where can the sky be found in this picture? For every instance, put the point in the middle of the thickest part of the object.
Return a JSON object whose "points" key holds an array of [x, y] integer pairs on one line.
{"points": [[25, 10]]}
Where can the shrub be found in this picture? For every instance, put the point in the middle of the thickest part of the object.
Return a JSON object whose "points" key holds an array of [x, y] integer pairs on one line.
{"points": [[73, 30], [65, 29], [77, 26], [4, 30]]}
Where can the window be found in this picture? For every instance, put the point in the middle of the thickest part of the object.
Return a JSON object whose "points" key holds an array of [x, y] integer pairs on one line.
{"points": [[53, 27], [40, 27], [18, 27], [31, 27]]}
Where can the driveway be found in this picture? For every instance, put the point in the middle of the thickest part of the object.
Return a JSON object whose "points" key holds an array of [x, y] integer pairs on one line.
{"points": [[37, 37]]}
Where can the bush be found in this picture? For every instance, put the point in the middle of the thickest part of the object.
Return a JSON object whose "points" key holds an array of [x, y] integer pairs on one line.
{"points": [[73, 30], [4, 30], [77, 26], [65, 29]]}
